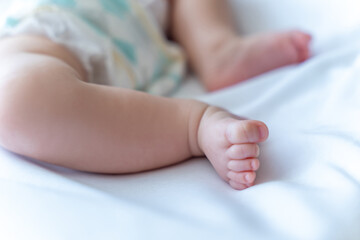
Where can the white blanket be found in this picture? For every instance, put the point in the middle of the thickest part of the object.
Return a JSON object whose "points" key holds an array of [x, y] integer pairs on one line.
{"points": [[308, 186]]}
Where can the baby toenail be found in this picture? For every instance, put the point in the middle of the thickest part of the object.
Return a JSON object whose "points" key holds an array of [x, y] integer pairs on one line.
{"points": [[257, 150], [230, 164], [254, 165], [262, 132], [248, 177]]}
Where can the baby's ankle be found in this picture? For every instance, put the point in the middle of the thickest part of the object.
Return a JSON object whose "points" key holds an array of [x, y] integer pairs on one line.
{"points": [[196, 112], [211, 49], [217, 58], [211, 115]]}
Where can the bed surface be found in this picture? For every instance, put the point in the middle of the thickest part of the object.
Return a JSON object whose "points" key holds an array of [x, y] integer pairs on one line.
{"points": [[308, 186]]}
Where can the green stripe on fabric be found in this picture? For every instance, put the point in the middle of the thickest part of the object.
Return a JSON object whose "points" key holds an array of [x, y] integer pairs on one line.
{"points": [[117, 7], [93, 24], [127, 49], [162, 65], [62, 3], [11, 22]]}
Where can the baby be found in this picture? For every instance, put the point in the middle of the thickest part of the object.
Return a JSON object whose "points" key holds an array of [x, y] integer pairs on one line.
{"points": [[71, 71]]}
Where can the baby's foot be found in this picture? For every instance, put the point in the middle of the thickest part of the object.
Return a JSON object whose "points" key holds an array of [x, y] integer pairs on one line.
{"points": [[230, 144], [238, 59]]}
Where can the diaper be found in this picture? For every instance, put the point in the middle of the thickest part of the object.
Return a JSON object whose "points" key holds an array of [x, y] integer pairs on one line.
{"points": [[119, 42]]}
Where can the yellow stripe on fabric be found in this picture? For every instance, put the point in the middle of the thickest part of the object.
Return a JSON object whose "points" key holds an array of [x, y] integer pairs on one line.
{"points": [[122, 63], [153, 31]]}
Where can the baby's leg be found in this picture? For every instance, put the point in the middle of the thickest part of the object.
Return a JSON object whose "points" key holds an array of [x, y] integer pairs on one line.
{"points": [[49, 112], [219, 55]]}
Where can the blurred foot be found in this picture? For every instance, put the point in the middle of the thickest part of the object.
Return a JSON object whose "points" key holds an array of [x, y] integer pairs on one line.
{"points": [[238, 59]]}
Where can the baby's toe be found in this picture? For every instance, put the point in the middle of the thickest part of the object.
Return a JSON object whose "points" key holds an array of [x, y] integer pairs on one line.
{"points": [[246, 131], [243, 165], [243, 151], [238, 186], [242, 177], [301, 41]]}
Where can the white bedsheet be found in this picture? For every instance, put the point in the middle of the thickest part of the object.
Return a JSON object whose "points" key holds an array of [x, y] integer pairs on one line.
{"points": [[307, 188]]}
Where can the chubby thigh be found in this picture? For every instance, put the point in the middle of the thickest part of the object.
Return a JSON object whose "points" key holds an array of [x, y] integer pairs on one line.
{"points": [[48, 113]]}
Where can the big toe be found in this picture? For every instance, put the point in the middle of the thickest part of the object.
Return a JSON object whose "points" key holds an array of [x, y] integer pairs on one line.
{"points": [[246, 131], [301, 42]]}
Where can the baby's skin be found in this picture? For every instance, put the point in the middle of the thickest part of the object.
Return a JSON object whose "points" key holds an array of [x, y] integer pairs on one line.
{"points": [[231, 145], [48, 110], [221, 56], [238, 59], [60, 118]]}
